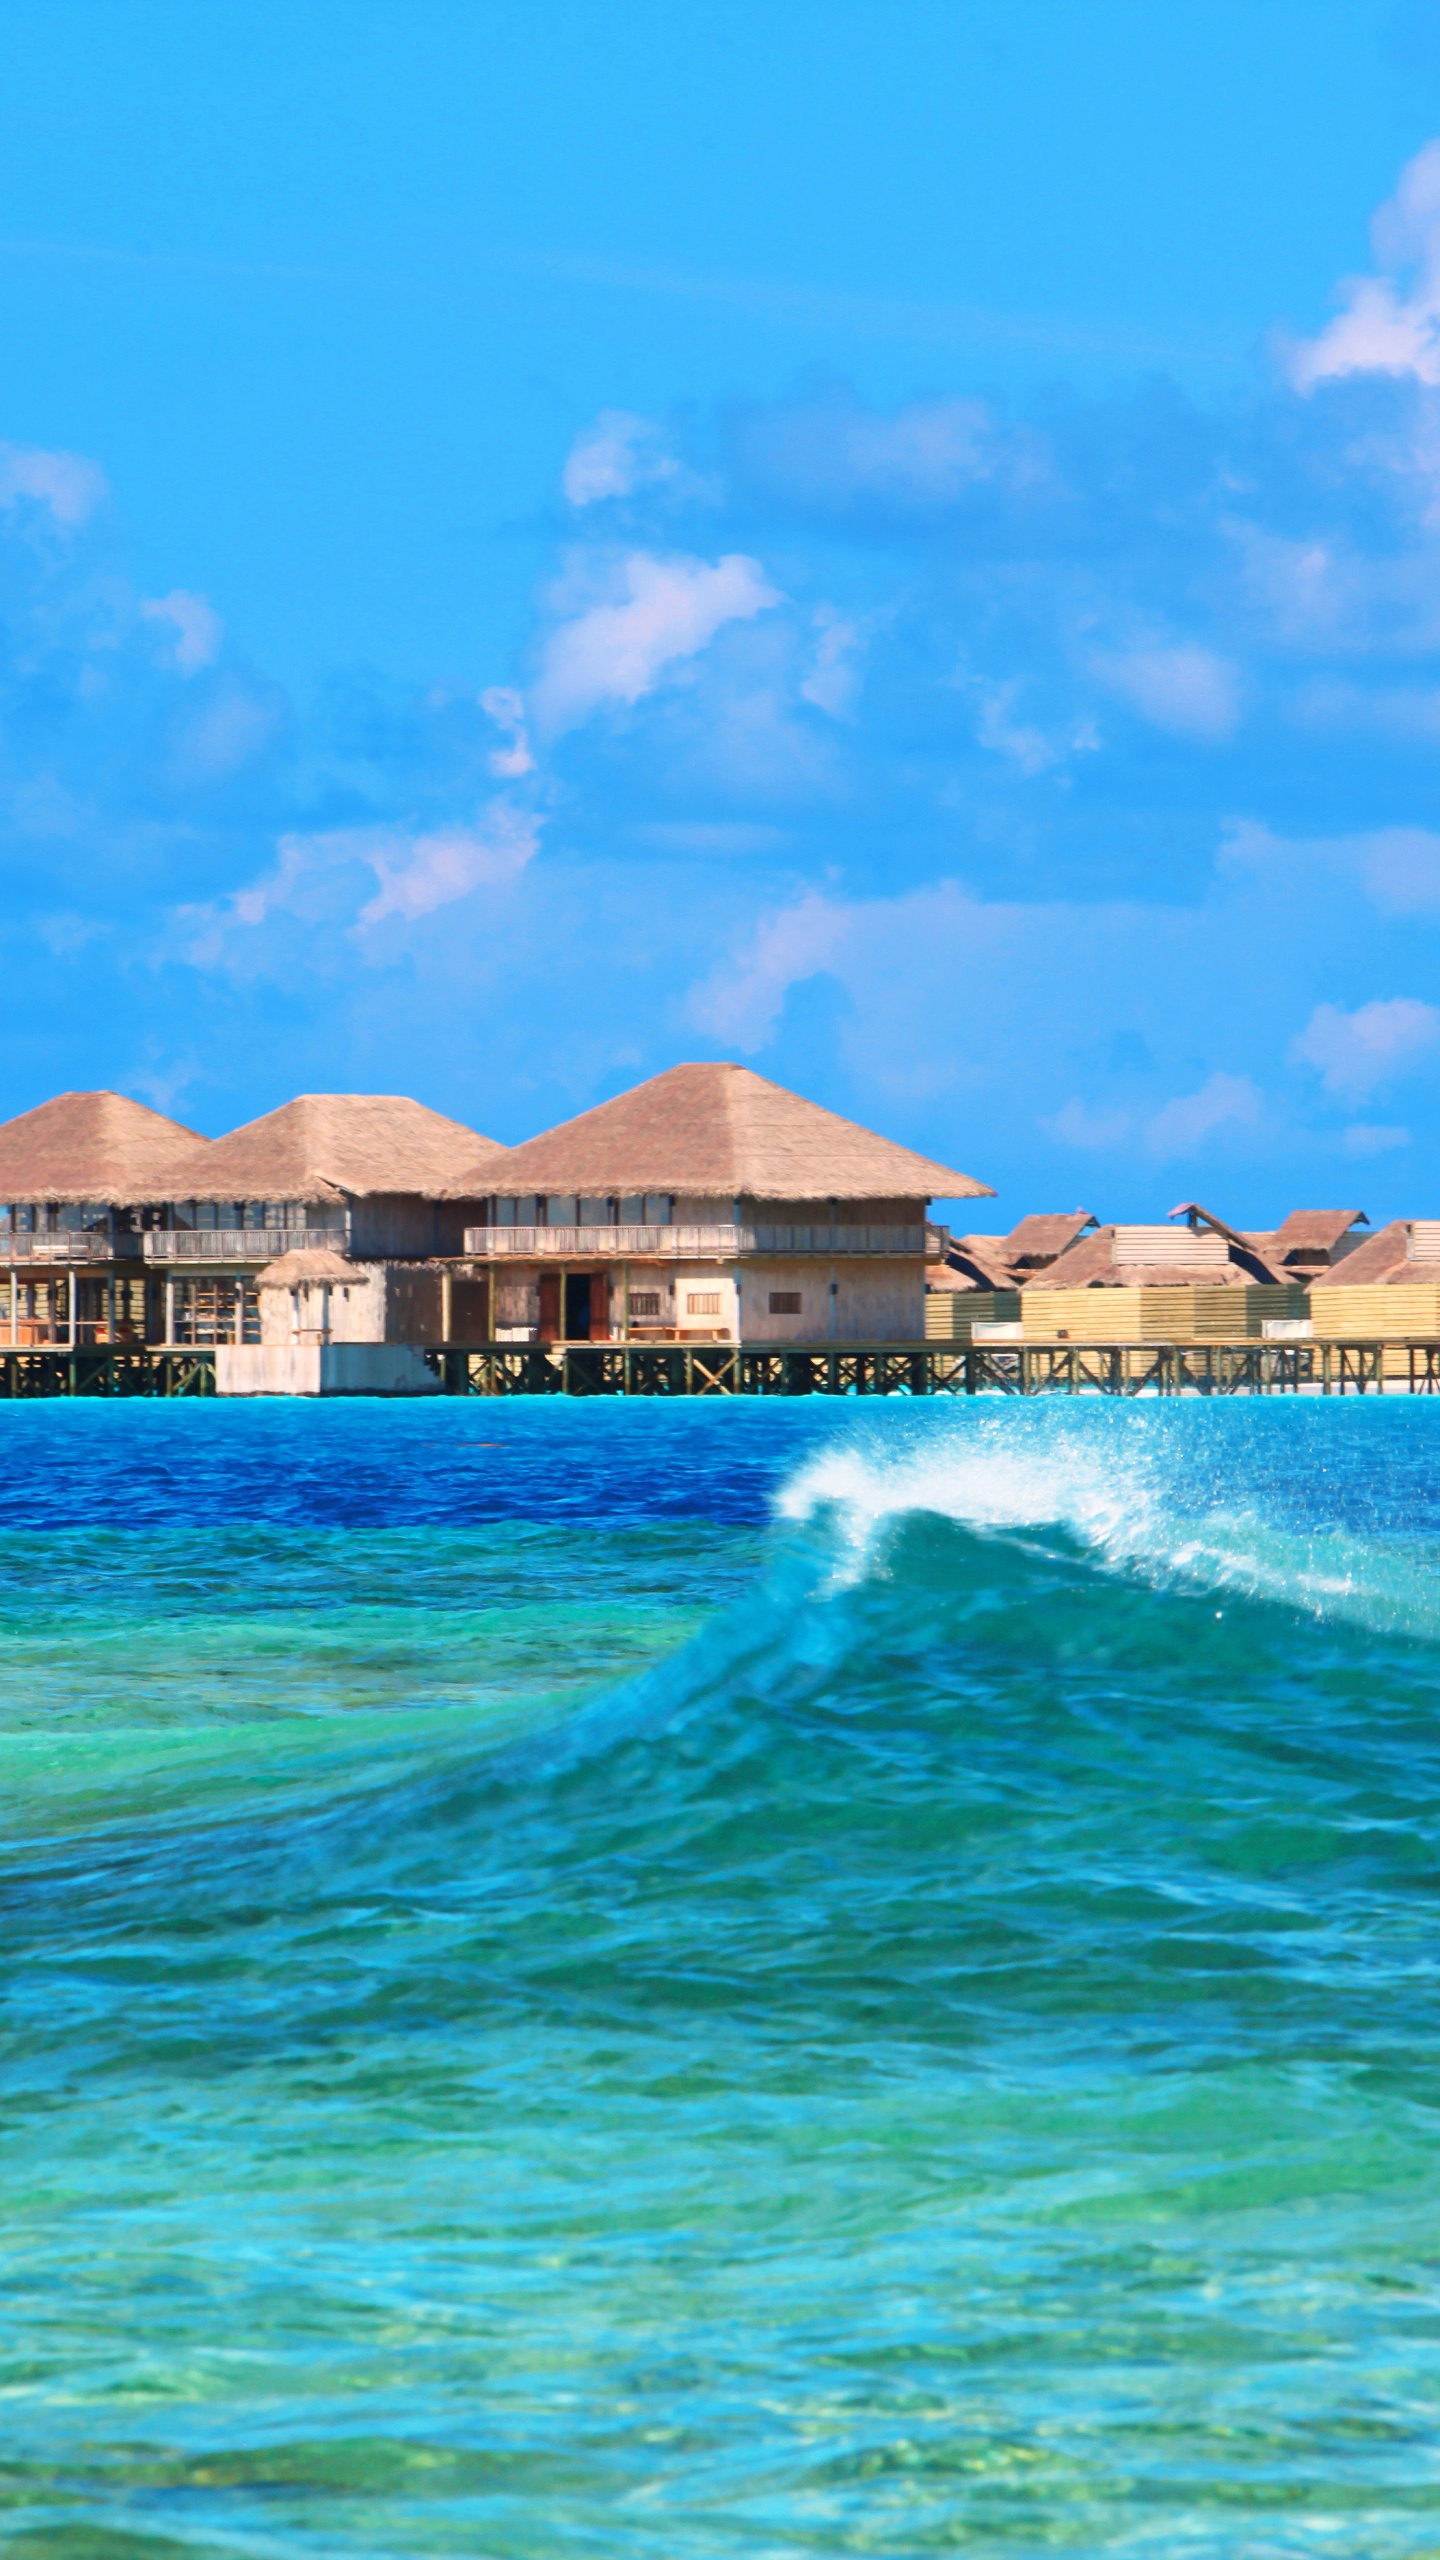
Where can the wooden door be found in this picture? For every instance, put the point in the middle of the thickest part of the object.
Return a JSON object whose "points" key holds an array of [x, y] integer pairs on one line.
{"points": [[549, 1306]]}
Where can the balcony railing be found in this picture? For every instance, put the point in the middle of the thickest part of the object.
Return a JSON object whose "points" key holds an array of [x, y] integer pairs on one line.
{"points": [[649, 1244], [238, 1244], [66, 1244]]}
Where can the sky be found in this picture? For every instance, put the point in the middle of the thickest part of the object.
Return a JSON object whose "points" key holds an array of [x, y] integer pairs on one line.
{"points": [[897, 545]]}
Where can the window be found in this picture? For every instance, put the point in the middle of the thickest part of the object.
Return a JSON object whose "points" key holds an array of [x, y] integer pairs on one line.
{"points": [[561, 1210], [784, 1302], [596, 1213], [702, 1302], [658, 1205], [643, 1303]]}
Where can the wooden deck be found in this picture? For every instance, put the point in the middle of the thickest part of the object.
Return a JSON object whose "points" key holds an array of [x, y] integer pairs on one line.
{"points": [[839, 1369]]}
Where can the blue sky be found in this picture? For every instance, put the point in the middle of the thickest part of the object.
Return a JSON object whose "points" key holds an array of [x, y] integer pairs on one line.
{"points": [[898, 545]]}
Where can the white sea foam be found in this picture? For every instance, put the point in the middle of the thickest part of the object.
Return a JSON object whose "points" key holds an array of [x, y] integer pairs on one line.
{"points": [[1147, 1502]]}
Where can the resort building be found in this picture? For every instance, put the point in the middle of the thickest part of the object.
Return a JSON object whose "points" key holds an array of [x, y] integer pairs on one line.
{"points": [[972, 1287], [1387, 1289], [1203, 1281], [707, 1205], [72, 1257], [1310, 1241], [374, 1177]]}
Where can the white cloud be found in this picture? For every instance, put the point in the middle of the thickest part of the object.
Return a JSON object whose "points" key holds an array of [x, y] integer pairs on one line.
{"points": [[1022, 744], [506, 708], [1373, 1139], [197, 627], [1225, 1101], [664, 612], [1396, 868], [1356, 1053], [1176, 1129], [833, 678], [66, 483], [1186, 689], [318, 878], [419, 873], [619, 454], [831, 451], [1076, 1125], [1390, 322], [744, 1004]]}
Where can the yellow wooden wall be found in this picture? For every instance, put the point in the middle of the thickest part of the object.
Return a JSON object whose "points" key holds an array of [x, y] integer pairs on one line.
{"points": [[1189, 1314], [1377, 1314], [950, 1313]]}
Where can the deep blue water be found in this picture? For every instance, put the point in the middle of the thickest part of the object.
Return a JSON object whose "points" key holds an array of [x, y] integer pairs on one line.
{"points": [[706, 1980]]}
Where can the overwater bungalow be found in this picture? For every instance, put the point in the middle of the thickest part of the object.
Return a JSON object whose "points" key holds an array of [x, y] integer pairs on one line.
{"points": [[120, 1225], [373, 1177], [1195, 1282], [1386, 1289], [708, 1205], [973, 1284], [72, 1254]]}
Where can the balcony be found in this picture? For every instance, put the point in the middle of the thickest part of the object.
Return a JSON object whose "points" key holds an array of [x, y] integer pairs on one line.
{"points": [[238, 1244], [66, 1245], [683, 1244]]}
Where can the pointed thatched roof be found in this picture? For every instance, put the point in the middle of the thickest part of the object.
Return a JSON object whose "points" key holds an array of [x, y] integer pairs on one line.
{"points": [[334, 1146], [95, 1147], [1044, 1236], [1383, 1257], [716, 1132]]}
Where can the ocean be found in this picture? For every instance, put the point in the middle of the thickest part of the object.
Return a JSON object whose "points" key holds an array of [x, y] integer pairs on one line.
{"points": [[704, 1980]]}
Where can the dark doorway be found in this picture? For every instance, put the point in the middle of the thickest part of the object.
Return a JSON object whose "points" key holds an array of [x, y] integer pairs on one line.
{"points": [[469, 1310], [577, 1306]]}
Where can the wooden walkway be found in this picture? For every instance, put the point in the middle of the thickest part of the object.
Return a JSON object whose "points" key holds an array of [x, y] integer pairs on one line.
{"points": [[842, 1369], [952, 1369]]}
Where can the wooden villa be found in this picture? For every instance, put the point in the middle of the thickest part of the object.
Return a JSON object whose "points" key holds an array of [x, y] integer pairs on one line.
{"points": [[1385, 1289], [72, 1252], [1202, 1281], [707, 1205], [374, 1177], [972, 1289]]}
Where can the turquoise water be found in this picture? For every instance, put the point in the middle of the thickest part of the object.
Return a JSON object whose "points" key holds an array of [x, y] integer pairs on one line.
{"points": [[714, 1980]]}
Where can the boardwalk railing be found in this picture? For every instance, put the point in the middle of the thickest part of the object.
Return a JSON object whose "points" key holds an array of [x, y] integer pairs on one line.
{"points": [[838, 1369], [652, 1243]]}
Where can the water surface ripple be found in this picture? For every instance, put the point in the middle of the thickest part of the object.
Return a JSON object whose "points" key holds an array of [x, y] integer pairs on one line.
{"points": [[709, 1980]]}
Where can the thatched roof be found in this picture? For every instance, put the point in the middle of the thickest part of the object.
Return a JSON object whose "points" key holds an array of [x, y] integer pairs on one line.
{"points": [[1309, 1236], [311, 1262], [717, 1132], [97, 1147], [335, 1146], [1043, 1236], [974, 1262], [1092, 1263], [1385, 1256]]}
